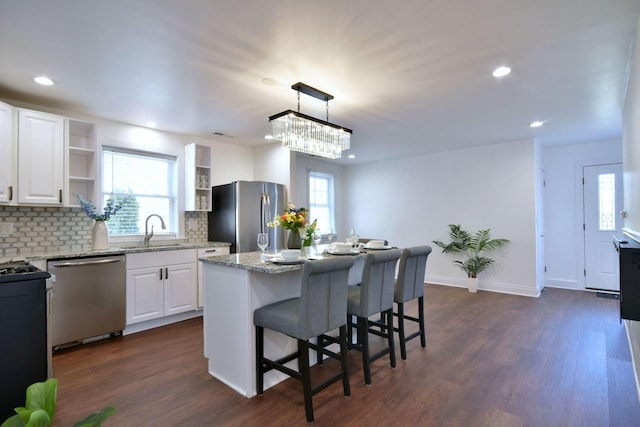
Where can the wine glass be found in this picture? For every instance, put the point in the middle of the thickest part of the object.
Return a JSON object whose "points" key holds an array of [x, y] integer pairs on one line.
{"points": [[317, 238], [263, 241], [354, 237], [331, 236]]}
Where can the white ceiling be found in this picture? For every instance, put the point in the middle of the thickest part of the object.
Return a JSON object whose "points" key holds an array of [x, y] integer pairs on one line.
{"points": [[408, 76]]}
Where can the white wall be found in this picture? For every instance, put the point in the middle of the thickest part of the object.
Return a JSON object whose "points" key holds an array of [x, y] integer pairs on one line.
{"points": [[272, 163], [564, 243], [410, 201]]}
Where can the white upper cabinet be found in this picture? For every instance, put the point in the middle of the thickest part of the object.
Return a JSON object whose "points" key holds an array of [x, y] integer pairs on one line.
{"points": [[8, 159], [82, 161], [41, 155], [197, 166]]}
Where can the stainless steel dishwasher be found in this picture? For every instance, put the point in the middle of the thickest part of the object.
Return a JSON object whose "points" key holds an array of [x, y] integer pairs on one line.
{"points": [[89, 298]]}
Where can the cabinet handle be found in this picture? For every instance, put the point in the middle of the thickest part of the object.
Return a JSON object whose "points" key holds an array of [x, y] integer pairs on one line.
{"points": [[166, 273], [60, 196], [10, 192], [160, 273]]}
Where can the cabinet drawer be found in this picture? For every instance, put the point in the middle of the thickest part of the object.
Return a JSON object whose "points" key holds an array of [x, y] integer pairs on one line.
{"points": [[160, 258]]}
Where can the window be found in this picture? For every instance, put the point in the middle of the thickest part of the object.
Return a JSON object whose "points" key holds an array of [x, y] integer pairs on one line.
{"points": [[321, 205], [607, 202], [144, 184]]}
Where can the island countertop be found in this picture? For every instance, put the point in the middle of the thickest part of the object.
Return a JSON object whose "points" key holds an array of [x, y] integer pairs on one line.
{"points": [[251, 261]]}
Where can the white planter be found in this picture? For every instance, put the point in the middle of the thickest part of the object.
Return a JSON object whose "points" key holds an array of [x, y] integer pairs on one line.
{"points": [[472, 284], [100, 236]]}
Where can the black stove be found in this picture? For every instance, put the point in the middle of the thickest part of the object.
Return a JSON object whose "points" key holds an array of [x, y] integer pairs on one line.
{"points": [[20, 270]]}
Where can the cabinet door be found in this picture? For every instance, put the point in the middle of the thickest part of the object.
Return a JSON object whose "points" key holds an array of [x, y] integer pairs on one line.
{"points": [[8, 159], [40, 158], [180, 288], [144, 294]]}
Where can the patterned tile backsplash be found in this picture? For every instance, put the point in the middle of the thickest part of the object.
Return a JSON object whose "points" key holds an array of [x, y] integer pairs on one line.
{"points": [[39, 230]]}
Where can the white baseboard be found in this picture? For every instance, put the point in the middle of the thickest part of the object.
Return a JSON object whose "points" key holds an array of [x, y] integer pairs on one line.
{"points": [[484, 285], [163, 321], [562, 284]]}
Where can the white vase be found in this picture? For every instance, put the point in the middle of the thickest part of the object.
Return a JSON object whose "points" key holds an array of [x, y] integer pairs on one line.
{"points": [[100, 236], [472, 283]]}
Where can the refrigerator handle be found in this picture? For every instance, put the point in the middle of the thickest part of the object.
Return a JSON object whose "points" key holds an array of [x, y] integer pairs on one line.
{"points": [[265, 204]]}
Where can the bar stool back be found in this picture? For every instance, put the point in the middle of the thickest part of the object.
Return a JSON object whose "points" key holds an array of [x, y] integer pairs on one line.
{"points": [[374, 295], [409, 286], [321, 307]]}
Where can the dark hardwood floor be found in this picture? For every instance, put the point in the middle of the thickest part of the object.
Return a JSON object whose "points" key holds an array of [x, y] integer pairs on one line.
{"points": [[491, 360]]}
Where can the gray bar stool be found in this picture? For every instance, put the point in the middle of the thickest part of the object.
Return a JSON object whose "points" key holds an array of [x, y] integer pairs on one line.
{"points": [[373, 296], [409, 286], [321, 307]]}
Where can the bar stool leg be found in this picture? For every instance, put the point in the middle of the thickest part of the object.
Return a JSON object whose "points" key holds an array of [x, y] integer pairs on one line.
{"points": [[259, 356], [392, 350], [363, 341], [401, 336], [343, 360], [303, 361], [423, 338]]}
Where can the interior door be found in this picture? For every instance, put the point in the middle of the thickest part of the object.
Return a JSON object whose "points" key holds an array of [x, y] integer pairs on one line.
{"points": [[602, 202]]}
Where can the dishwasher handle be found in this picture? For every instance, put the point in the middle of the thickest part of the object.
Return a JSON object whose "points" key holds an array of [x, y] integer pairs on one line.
{"points": [[85, 262]]}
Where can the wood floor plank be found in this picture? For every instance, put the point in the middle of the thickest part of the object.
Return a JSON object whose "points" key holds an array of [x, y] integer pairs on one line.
{"points": [[491, 359]]}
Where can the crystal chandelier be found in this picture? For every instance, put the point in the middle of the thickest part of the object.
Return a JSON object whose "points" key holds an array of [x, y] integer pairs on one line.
{"points": [[306, 134]]}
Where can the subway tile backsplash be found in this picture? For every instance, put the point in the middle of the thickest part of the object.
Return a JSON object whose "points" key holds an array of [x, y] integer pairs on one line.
{"points": [[39, 230]]}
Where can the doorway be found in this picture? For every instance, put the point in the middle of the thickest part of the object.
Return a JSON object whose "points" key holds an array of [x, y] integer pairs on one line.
{"points": [[603, 199]]}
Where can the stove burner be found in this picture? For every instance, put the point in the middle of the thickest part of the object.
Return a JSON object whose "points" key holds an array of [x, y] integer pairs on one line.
{"points": [[21, 270]]}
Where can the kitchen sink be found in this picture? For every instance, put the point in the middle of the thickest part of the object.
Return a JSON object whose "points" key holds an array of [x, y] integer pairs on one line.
{"points": [[157, 247]]}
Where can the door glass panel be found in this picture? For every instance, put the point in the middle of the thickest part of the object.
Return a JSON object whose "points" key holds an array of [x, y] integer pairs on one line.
{"points": [[606, 195]]}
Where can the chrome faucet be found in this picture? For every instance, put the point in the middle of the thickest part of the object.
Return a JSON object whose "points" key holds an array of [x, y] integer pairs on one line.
{"points": [[147, 235]]}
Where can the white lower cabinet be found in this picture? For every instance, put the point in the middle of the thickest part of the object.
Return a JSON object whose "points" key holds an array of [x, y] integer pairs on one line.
{"points": [[203, 253], [160, 284]]}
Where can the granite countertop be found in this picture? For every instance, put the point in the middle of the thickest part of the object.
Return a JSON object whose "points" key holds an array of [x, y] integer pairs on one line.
{"points": [[251, 261], [117, 251]]}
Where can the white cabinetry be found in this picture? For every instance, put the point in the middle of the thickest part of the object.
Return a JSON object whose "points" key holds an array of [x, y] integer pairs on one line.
{"points": [[81, 161], [160, 284], [9, 157], [197, 166], [40, 158], [203, 253]]}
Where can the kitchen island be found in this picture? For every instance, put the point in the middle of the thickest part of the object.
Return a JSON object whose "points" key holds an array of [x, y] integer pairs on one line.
{"points": [[234, 286]]}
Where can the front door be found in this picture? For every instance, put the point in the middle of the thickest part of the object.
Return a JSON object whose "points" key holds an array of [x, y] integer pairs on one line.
{"points": [[602, 202]]}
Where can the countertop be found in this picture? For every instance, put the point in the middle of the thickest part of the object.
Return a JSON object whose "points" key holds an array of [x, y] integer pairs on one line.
{"points": [[160, 246], [251, 261]]}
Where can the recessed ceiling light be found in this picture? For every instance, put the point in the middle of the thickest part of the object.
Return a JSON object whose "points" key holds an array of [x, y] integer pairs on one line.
{"points": [[43, 80], [536, 124], [501, 71], [268, 137], [151, 125], [351, 156]]}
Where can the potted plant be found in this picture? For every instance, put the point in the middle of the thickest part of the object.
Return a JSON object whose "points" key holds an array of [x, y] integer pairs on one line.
{"points": [[474, 248], [295, 220], [40, 408]]}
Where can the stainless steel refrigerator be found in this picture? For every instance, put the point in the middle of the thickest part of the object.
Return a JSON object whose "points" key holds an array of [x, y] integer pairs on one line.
{"points": [[241, 210]]}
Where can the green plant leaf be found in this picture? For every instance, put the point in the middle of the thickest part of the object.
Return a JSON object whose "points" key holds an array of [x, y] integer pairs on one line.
{"points": [[43, 395], [39, 418], [97, 418], [14, 421]]}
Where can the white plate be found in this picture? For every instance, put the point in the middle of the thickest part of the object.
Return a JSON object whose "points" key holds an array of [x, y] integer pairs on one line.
{"points": [[381, 248], [283, 262], [351, 252]]}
